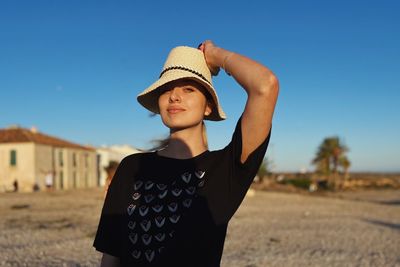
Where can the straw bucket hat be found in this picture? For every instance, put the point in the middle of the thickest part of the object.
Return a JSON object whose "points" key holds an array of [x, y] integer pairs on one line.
{"points": [[183, 62]]}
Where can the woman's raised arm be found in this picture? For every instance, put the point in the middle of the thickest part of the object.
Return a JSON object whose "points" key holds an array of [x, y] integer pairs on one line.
{"points": [[262, 89]]}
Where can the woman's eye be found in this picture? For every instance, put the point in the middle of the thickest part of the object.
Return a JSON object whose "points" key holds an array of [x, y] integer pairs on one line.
{"points": [[188, 89], [165, 91]]}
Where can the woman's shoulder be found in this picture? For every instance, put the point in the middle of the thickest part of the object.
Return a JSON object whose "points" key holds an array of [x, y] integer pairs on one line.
{"points": [[136, 157], [139, 155]]}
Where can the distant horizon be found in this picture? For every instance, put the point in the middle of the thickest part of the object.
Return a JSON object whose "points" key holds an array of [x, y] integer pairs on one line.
{"points": [[380, 172]]}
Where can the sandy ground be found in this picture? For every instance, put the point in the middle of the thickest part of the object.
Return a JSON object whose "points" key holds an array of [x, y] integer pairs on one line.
{"points": [[269, 229]]}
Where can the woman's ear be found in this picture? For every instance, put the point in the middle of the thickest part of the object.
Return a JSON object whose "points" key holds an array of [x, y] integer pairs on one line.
{"points": [[208, 109]]}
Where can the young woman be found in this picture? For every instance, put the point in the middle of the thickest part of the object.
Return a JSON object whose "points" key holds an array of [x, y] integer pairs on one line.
{"points": [[171, 207]]}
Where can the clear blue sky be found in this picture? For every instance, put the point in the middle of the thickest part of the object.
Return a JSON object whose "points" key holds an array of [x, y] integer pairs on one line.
{"points": [[74, 68]]}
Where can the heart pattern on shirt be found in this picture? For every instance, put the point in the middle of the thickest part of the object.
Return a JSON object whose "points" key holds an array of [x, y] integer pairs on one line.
{"points": [[131, 225], [131, 208], [155, 211]]}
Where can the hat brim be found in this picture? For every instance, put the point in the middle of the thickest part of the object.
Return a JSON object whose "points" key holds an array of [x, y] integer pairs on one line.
{"points": [[149, 97]]}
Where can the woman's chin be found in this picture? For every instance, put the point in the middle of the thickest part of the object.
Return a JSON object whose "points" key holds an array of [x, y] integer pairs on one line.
{"points": [[179, 124]]}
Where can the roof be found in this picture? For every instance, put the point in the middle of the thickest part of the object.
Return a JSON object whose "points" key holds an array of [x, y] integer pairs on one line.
{"points": [[22, 135]]}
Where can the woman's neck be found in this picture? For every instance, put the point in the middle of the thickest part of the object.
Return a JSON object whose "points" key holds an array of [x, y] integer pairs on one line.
{"points": [[184, 144]]}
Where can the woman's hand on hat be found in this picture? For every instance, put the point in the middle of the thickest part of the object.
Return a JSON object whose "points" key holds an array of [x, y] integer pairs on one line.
{"points": [[211, 55]]}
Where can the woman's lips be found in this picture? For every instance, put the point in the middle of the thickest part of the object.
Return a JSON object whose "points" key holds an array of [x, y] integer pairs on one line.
{"points": [[175, 110]]}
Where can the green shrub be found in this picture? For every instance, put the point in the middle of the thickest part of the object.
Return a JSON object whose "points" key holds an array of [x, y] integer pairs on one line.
{"points": [[303, 183]]}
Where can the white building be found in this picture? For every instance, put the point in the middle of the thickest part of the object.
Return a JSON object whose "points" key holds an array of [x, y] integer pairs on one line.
{"points": [[107, 154]]}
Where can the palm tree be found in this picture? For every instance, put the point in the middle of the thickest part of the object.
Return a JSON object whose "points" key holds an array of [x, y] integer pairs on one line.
{"points": [[344, 163], [328, 155]]}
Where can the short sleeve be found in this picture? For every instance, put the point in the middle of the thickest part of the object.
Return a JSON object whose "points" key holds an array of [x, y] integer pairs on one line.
{"points": [[255, 158], [241, 175], [108, 236]]}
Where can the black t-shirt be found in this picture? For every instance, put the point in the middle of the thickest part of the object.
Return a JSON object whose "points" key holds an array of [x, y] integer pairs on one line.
{"points": [[162, 211]]}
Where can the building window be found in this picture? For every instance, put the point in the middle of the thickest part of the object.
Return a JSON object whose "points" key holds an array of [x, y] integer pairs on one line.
{"points": [[61, 180], [86, 160], [74, 178], [98, 170], [74, 159], [13, 158], [60, 158]]}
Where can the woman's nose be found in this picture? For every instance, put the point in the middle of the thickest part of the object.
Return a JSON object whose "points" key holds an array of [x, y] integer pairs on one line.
{"points": [[175, 96]]}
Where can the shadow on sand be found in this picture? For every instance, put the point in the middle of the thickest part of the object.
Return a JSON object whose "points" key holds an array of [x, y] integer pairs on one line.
{"points": [[390, 202], [394, 226]]}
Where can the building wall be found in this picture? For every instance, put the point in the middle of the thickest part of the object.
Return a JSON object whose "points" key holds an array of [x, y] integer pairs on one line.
{"points": [[75, 168], [35, 161], [43, 163], [23, 171], [82, 173]]}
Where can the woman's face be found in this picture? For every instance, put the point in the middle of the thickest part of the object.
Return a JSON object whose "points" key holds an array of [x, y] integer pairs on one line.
{"points": [[183, 104]]}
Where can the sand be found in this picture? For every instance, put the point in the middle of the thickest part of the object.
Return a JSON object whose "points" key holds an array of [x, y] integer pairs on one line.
{"points": [[269, 229]]}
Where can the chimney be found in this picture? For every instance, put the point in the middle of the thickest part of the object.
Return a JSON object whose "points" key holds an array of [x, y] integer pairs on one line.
{"points": [[34, 129]]}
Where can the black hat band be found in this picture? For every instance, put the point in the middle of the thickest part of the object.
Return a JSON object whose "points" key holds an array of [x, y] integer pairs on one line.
{"points": [[185, 69]]}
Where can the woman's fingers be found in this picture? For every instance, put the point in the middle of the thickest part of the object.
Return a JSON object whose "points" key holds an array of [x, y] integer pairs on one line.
{"points": [[201, 47], [206, 47]]}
